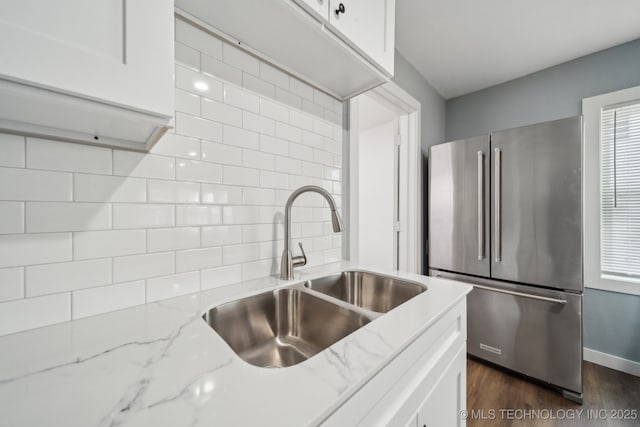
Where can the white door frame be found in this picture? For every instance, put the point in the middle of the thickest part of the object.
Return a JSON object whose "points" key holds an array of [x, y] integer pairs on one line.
{"points": [[409, 242]]}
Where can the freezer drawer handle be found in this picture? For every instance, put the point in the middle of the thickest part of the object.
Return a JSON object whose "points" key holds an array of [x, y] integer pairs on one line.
{"points": [[480, 206], [521, 294], [498, 201]]}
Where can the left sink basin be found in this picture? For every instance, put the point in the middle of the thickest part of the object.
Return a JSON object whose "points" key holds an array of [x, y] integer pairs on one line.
{"points": [[283, 327]]}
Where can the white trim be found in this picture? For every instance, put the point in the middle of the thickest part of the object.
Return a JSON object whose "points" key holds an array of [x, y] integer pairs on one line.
{"points": [[591, 109], [410, 183], [610, 361]]}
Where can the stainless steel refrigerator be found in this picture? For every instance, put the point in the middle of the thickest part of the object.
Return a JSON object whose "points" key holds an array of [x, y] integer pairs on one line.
{"points": [[505, 214]]}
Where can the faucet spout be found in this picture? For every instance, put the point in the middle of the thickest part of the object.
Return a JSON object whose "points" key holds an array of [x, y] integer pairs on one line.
{"points": [[288, 260]]}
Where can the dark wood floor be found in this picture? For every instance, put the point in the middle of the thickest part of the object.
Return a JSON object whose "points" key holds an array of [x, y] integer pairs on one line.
{"points": [[605, 389]]}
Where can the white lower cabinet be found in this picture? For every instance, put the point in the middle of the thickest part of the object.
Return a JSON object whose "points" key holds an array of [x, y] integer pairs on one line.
{"points": [[425, 385]]}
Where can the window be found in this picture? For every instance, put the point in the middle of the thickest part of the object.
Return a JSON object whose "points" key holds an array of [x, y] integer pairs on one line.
{"points": [[612, 191], [620, 191]]}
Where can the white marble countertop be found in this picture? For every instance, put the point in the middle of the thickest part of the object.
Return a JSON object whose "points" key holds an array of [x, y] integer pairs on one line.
{"points": [[161, 365]]}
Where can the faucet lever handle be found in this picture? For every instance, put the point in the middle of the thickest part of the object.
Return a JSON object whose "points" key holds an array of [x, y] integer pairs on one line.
{"points": [[298, 260]]}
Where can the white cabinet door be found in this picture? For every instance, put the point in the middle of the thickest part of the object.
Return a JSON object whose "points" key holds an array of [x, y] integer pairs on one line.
{"points": [[447, 399], [368, 25], [321, 7], [118, 52]]}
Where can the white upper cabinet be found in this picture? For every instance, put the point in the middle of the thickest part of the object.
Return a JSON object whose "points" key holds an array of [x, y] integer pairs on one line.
{"points": [[342, 54], [368, 26], [318, 7], [92, 71]]}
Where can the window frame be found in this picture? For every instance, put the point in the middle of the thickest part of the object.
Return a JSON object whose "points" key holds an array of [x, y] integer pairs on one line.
{"points": [[591, 110]]}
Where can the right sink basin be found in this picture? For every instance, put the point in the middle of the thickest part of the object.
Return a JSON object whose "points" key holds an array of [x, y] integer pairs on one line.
{"points": [[367, 290]]}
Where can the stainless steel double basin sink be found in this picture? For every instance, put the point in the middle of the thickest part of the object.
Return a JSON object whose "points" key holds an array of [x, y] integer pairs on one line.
{"points": [[286, 326]]}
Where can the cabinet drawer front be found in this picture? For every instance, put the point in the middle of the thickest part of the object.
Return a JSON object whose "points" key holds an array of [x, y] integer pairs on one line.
{"points": [[540, 338]]}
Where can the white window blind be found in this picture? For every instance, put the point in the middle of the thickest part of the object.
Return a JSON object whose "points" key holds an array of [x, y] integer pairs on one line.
{"points": [[620, 191]]}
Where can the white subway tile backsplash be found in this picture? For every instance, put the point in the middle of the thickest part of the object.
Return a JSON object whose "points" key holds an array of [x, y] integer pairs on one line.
{"points": [[134, 267], [89, 302], [301, 89], [11, 217], [221, 235], [175, 145], [219, 69], [198, 39], [274, 110], [184, 55], [312, 140], [312, 109], [260, 233], [27, 249], [47, 217], [214, 110], [274, 180], [301, 152], [235, 254], [64, 156], [27, 184], [256, 269], [237, 97], [30, 313], [258, 196], [198, 83], [273, 75], [198, 259], [172, 239], [143, 216], [220, 276], [288, 165], [127, 163], [258, 160], [197, 127], [106, 229], [198, 215], [99, 244], [240, 59], [173, 192], [172, 286], [240, 137], [233, 175], [11, 284], [269, 144], [12, 150], [194, 170], [288, 98], [323, 128], [257, 85], [187, 102], [240, 214], [67, 276], [287, 132], [101, 188], [221, 153], [301, 120], [221, 194], [257, 123]]}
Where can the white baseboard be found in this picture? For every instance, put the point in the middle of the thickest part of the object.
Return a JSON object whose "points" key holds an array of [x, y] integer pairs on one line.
{"points": [[613, 362]]}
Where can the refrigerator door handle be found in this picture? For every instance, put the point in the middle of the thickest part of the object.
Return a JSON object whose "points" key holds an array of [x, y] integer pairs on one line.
{"points": [[480, 205], [522, 294], [498, 203]]}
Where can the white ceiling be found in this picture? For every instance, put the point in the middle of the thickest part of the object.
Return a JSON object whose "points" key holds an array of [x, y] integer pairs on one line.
{"points": [[461, 46]]}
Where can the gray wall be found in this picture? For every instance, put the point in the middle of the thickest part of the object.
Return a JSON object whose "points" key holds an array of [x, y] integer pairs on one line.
{"points": [[432, 125], [611, 320], [432, 104]]}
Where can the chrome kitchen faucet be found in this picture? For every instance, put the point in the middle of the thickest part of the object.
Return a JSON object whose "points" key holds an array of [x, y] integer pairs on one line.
{"points": [[288, 260]]}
